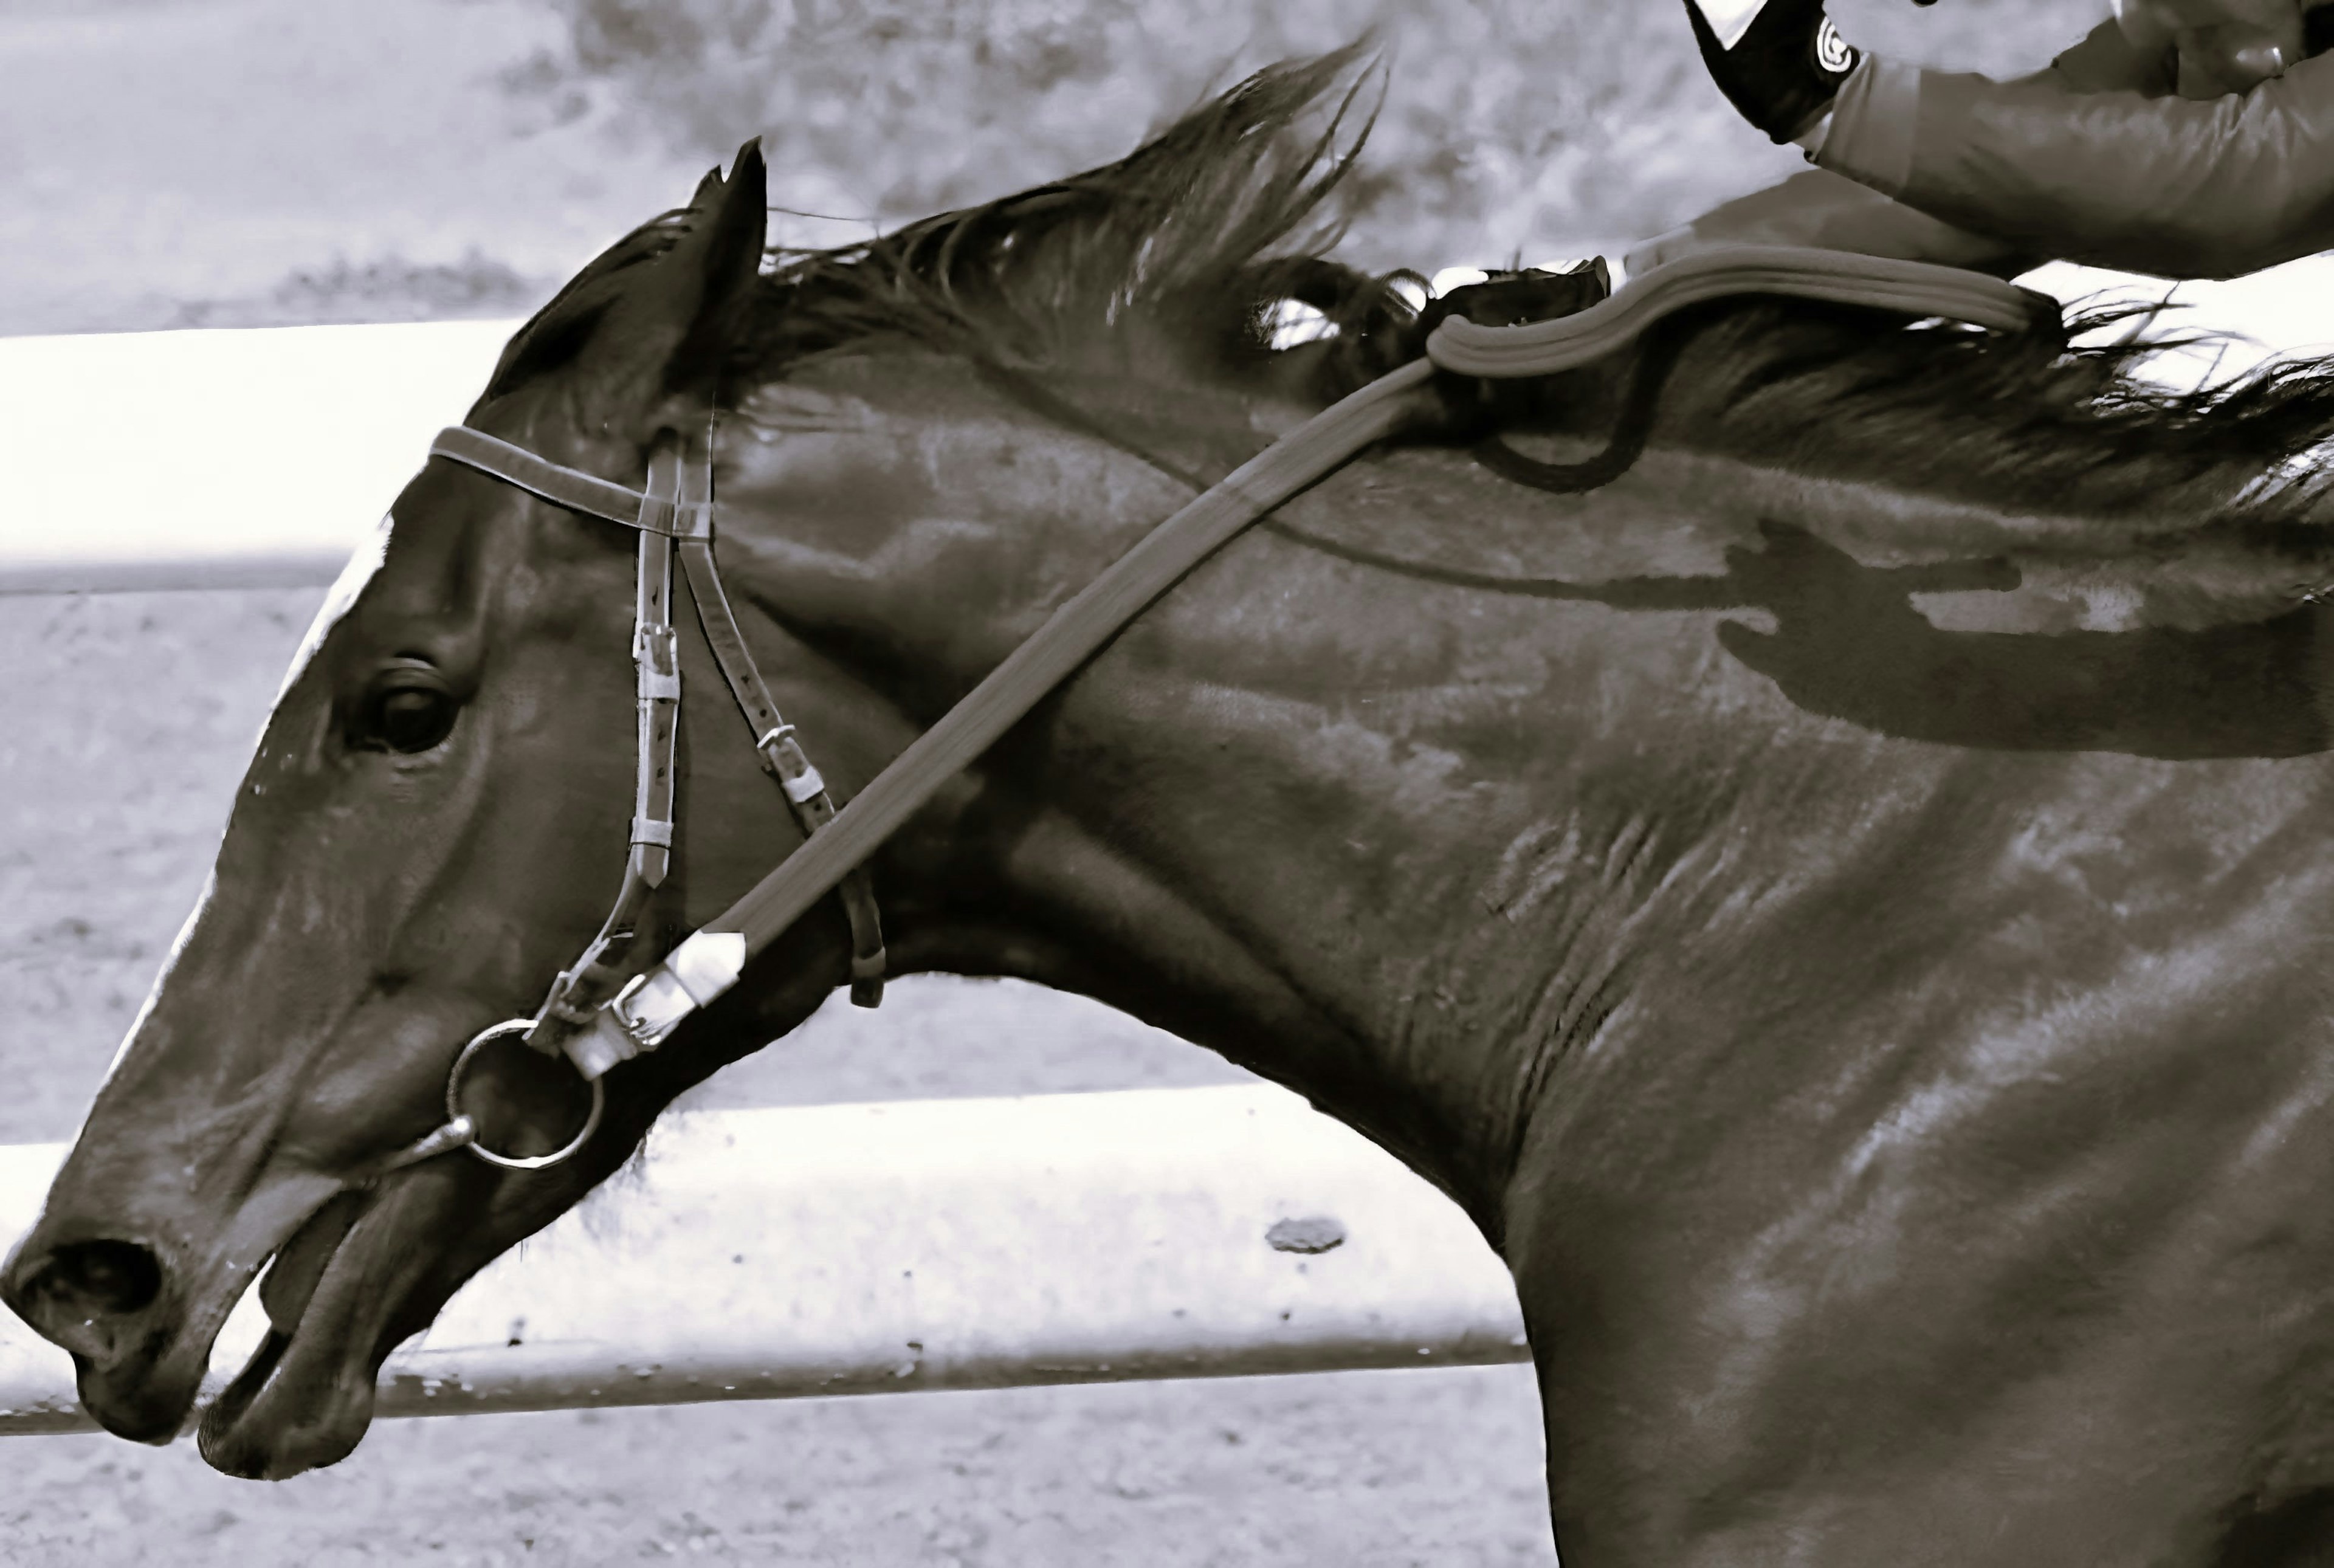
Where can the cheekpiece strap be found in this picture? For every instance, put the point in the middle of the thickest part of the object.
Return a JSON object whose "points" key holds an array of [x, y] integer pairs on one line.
{"points": [[580, 991]]}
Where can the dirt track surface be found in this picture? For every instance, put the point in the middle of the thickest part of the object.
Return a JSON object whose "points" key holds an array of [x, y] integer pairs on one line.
{"points": [[126, 729], [1363, 1470]]}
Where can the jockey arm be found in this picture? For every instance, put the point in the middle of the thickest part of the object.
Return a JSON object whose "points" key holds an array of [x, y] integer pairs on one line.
{"points": [[2097, 159]]}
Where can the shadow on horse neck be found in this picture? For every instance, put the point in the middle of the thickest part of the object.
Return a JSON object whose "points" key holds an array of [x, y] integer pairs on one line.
{"points": [[1834, 903]]}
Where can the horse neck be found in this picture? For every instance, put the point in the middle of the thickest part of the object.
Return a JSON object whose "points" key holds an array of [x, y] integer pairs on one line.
{"points": [[1300, 811], [1413, 847]]}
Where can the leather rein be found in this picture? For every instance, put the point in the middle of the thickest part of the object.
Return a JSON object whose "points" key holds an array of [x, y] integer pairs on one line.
{"points": [[607, 1007]]}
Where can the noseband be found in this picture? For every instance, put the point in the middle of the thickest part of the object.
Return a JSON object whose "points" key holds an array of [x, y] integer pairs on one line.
{"points": [[598, 1017]]}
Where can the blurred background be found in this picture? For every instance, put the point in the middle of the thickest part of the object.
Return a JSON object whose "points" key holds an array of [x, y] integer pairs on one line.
{"points": [[260, 162]]}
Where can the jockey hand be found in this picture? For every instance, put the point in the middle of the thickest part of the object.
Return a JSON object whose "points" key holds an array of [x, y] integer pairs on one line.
{"points": [[2224, 45], [1781, 62]]}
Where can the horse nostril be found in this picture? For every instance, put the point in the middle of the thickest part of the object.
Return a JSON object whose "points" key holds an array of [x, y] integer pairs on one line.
{"points": [[104, 1278]]}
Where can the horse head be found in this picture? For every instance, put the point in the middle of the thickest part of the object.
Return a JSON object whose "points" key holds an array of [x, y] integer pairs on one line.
{"points": [[427, 831], [1835, 900]]}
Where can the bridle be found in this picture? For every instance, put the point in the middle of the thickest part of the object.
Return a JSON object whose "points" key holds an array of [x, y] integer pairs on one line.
{"points": [[674, 514], [604, 1009]]}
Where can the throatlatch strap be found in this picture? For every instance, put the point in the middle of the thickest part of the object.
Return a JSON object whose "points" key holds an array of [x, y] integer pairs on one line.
{"points": [[774, 737]]}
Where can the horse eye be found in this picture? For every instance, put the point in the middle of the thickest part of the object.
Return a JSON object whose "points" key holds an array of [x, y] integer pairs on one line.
{"points": [[408, 711]]}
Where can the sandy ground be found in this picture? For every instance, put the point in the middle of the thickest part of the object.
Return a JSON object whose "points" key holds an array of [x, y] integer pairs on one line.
{"points": [[1369, 1470], [126, 729]]}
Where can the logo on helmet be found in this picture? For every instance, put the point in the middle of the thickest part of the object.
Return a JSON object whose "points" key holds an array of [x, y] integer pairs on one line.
{"points": [[1835, 53]]}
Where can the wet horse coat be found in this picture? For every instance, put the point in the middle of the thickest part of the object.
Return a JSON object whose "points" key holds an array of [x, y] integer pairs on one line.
{"points": [[1839, 906]]}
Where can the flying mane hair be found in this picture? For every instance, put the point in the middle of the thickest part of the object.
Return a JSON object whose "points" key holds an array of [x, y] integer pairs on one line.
{"points": [[1174, 253], [1173, 258]]}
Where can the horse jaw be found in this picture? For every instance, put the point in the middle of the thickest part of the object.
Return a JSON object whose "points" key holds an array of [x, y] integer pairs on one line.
{"points": [[305, 1398]]}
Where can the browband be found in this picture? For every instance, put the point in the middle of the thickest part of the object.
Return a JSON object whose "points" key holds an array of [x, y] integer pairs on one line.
{"points": [[573, 488]]}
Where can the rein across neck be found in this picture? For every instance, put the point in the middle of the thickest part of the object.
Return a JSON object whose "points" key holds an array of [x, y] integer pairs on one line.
{"points": [[599, 1019]]}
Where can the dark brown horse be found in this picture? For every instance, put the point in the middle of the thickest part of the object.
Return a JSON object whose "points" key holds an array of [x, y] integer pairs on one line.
{"points": [[1843, 905]]}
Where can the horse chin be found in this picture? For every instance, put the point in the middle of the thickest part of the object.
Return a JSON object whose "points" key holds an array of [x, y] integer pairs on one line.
{"points": [[305, 1398], [280, 1418]]}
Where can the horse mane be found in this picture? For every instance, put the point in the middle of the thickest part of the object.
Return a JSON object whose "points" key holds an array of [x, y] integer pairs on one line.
{"points": [[1170, 258], [1172, 261], [1182, 249], [2022, 420]]}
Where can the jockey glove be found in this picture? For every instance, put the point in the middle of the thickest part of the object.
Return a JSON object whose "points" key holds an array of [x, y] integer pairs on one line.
{"points": [[1781, 62]]}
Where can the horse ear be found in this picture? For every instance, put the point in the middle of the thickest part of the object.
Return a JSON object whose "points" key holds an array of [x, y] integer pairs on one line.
{"points": [[681, 314], [736, 223]]}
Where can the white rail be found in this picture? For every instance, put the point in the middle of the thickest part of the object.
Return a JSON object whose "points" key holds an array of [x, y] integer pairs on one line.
{"points": [[928, 1245], [199, 459]]}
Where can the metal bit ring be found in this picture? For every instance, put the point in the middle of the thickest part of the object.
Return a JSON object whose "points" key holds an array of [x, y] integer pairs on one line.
{"points": [[456, 1117]]}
